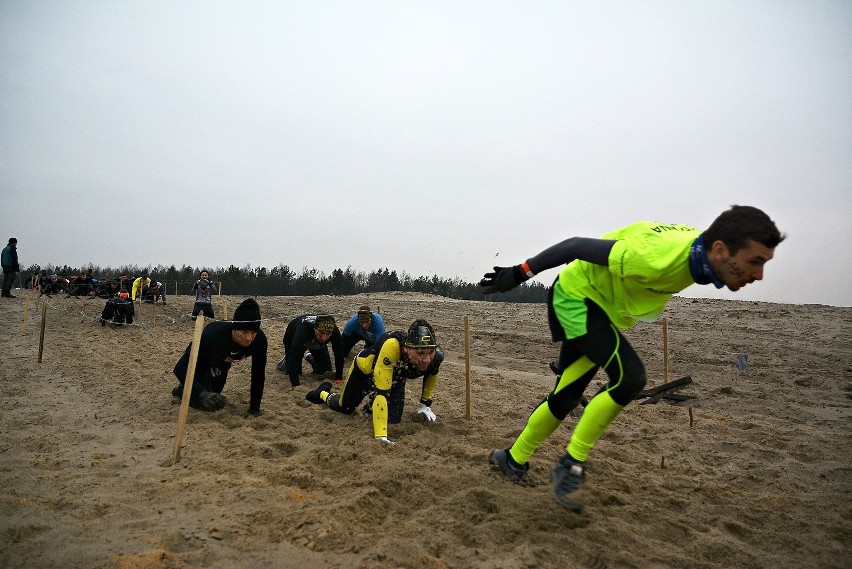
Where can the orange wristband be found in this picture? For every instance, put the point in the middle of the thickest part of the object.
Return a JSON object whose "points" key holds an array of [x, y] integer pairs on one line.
{"points": [[526, 269]]}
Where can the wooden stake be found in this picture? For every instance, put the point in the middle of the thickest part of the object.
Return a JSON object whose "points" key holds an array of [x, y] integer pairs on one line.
{"points": [[26, 313], [225, 310], [665, 349], [41, 336], [154, 311], [690, 417], [187, 388], [467, 366]]}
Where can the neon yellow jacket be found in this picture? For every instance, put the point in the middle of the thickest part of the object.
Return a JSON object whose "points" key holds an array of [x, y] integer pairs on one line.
{"points": [[137, 286], [648, 264]]}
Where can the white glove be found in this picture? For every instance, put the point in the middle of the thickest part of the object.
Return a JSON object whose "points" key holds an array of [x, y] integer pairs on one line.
{"points": [[426, 412], [385, 441]]}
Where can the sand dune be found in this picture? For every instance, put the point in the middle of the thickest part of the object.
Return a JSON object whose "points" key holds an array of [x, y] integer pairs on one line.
{"points": [[762, 477]]}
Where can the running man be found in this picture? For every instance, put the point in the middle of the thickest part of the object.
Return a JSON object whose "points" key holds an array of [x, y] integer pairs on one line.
{"points": [[608, 284]]}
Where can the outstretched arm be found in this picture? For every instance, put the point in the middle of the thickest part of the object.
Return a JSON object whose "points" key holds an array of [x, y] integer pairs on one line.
{"points": [[587, 249]]}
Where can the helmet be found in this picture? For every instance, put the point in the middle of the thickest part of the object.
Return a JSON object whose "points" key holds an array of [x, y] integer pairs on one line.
{"points": [[421, 335]]}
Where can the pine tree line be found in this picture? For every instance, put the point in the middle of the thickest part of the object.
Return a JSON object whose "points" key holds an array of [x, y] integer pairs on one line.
{"points": [[283, 281]]}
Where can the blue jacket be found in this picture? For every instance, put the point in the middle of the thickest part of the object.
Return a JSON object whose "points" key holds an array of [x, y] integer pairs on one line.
{"points": [[371, 334]]}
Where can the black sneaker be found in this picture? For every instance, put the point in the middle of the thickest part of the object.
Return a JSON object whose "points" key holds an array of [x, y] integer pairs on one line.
{"points": [[314, 395], [503, 461], [177, 391], [567, 476]]}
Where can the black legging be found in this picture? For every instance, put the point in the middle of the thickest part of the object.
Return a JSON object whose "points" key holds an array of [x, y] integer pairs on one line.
{"points": [[607, 348]]}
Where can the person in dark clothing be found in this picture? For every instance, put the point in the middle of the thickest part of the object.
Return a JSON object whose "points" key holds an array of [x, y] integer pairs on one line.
{"points": [[9, 261], [222, 344], [311, 333], [82, 285], [153, 292], [203, 289], [118, 310], [381, 371]]}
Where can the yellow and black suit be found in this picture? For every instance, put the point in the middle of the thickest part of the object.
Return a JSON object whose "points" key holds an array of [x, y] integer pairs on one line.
{"points": [[383, 369]]}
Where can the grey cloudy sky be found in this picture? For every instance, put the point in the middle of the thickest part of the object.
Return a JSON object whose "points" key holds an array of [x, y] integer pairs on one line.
{"points": [[431, 137]]}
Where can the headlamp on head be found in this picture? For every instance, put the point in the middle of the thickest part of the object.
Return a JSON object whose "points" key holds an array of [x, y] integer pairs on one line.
{"points": [[421, 335]]}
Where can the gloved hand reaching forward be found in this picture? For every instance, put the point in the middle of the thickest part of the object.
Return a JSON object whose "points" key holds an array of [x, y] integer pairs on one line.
{"points": [[211, 401], [503, 279], [426, 412]]}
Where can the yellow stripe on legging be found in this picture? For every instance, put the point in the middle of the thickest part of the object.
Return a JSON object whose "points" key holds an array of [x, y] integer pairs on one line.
{"points": [[542, 423]]}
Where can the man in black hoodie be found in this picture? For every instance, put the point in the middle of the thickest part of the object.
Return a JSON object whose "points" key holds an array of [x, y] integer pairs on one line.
{"points": [[222, 344]]}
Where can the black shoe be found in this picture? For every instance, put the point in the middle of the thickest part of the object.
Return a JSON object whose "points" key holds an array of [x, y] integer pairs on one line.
{"points": [[314, 395], [503, 461], [567, 476], [177, 391]]}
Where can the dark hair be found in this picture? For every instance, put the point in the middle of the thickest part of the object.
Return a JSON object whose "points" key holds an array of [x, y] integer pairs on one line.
{"points": [[741, 223]]}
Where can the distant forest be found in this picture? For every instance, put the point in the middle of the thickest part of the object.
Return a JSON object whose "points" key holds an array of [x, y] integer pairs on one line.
{"points": [[283, 281]]}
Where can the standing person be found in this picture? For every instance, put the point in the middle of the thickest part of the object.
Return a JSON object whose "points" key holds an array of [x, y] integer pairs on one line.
{"points": [[9, 261], [382, 370], [363, 325], [204, 290], [307, 337], [222, 344], [608, 284]]}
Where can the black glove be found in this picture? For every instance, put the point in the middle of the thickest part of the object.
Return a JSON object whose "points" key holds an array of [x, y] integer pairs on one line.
{"points": [[210, 401], [503, 279]]}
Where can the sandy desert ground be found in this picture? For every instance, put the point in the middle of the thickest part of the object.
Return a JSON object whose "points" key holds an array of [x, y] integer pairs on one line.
{"points": [[762, 476]]}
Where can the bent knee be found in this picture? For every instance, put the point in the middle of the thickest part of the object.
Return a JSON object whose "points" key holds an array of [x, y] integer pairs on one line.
{"points": [[630, 386]]}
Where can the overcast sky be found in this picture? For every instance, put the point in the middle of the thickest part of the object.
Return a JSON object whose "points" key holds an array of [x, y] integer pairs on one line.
{"points": [[429, 137]]}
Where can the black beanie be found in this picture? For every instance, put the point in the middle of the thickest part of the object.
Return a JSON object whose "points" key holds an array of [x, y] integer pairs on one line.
{"points": [[247, 315]]}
